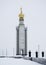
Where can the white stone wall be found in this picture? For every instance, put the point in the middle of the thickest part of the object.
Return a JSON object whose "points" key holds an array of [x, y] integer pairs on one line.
{"points": [[22, 37]]}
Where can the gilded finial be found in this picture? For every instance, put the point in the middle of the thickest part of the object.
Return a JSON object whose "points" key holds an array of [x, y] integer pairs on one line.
{"points": [[21, 15], [21, 10]]}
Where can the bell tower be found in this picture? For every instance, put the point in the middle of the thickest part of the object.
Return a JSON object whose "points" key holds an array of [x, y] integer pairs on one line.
{"points": [[21, 36]]}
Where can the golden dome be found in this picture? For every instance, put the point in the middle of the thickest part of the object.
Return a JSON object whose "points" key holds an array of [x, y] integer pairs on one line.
{"points": [[21, 15]]}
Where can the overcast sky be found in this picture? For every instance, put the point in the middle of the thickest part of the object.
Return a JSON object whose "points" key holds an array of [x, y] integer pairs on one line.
{"points": [[35, 21]]}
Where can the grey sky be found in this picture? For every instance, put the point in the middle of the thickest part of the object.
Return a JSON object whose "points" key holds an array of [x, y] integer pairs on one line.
{"points": [[35, 20]]}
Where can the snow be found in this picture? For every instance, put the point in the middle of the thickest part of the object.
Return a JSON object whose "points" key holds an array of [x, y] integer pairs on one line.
{"points": [[14, 61]]}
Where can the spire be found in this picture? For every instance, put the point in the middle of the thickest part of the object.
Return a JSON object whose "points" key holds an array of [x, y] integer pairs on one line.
{"points": [[21, 15], [21, 10]]}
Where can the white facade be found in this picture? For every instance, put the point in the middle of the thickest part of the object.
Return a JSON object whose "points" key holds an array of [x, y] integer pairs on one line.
{"points": [[21, 38]]}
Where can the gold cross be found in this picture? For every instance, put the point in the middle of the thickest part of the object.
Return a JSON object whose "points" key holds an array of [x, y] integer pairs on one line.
{"points": [[21, 10]]}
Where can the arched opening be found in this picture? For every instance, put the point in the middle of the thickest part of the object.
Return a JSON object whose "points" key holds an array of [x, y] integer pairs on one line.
{"points": [[21, 51]]}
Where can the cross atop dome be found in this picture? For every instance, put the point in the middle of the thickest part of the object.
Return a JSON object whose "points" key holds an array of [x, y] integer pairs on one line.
{"points": [[21, 15]]}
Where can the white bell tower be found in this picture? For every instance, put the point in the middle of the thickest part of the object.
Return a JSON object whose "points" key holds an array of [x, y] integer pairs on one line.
{"points": [[21, 36]]}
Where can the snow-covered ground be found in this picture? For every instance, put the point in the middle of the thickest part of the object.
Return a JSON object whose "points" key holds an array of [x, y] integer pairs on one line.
{"points": [[12, 61]]}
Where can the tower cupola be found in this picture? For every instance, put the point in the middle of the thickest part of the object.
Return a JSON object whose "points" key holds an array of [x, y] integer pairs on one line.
{"points": [[21, 15]]}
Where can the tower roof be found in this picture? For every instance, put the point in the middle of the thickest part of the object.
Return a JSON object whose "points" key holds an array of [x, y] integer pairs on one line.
{"points": [[21, 15]]}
